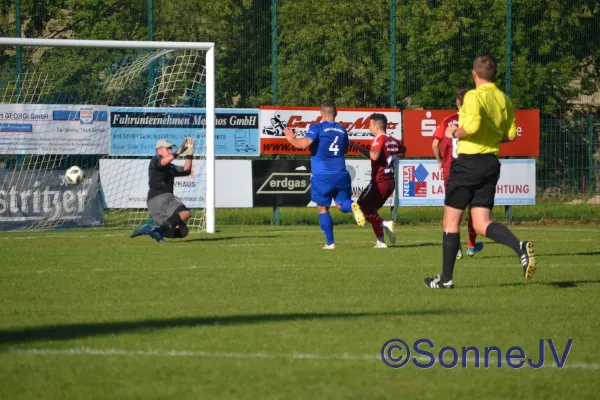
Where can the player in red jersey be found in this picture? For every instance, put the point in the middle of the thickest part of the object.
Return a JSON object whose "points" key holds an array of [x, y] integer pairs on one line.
{"points": [[444, 150], [383, 155]]}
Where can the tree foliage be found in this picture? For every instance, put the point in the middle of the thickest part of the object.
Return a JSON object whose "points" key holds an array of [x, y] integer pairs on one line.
{"points": [[340, 50]]}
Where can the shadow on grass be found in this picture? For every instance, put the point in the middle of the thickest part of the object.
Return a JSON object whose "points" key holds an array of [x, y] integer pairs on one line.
{"points": [[425, 244], [80, 330], [555, 284], [584, 253], [217, 239]]}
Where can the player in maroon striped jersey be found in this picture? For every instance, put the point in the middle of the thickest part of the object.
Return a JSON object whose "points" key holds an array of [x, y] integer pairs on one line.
{"points": [[383, 154]]}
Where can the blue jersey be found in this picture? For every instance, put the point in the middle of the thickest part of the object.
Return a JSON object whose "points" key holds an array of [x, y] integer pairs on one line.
{"points": [[328, 147]]}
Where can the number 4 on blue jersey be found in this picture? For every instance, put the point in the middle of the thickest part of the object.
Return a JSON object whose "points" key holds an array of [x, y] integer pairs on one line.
{"points": [[328, 147]]}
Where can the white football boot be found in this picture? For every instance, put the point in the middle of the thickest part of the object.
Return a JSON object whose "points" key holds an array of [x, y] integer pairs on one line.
{"points": [[389, 227], [380, 245]]}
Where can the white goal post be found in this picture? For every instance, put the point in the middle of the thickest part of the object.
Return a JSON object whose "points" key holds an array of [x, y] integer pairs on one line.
{"points": [[208, 85]]}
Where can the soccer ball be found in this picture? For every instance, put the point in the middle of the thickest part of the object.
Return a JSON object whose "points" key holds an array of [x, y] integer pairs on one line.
{"points": [[74, 175]]}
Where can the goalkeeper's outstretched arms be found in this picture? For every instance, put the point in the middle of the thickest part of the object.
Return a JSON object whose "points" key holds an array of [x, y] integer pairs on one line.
{"points": [[187, 148]]}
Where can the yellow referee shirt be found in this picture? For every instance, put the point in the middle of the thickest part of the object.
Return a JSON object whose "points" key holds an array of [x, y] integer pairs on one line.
{"points": [[486, 115]]}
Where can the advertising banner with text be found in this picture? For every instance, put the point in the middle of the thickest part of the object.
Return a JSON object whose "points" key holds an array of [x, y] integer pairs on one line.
{"points": [[135, 131], [28, 197], [233, 185], [419, 126], [281, 183], [53, 129], [273, 119], [287, 183], [421, 183]]}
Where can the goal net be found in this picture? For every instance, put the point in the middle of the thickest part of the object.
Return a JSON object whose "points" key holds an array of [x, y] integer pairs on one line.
{"points": [[101, 106]]}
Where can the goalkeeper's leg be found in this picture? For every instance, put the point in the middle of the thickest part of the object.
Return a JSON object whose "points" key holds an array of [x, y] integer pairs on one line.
{"points": [[142, 230], [178, 232], [171, 213], [174, 226]]}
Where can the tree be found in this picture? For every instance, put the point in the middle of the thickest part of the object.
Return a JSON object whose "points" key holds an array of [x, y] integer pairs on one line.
{"points": [[334, 50], [241, 32]]}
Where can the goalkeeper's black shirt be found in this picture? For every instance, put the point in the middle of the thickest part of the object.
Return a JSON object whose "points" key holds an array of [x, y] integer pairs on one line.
{"points": [[161, 179]]}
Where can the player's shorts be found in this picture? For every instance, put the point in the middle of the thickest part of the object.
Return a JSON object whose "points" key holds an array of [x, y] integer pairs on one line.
{"points": [[164, 205], [325, 188], [472, 181], [375, 195]]}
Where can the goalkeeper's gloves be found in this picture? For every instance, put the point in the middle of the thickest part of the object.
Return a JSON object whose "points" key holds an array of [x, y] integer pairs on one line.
{"points": [[189, 151], [182, 148]]}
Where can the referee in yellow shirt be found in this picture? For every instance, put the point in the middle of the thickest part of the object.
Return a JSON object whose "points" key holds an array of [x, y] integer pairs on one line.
{"points": [[486, 119]]}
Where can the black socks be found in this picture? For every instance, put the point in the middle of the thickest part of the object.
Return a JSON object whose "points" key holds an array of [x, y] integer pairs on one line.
{"points": [[177, 233], [501, 234], [451, 243], [173, 221]]}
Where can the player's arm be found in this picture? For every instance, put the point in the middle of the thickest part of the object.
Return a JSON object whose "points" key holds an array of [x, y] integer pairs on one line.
{"points": [[301, 143], [163, 161], [182, 171], [188, 149], [472, 120], [435, 146], [359, 148], [376, 146], [160, 162], [374, 154], [438, 135]]}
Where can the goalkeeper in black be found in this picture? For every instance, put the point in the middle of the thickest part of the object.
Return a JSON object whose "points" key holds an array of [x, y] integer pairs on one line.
{"points": [[166, 208]]}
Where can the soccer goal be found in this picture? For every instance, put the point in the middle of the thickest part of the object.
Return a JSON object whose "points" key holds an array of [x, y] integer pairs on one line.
{"points": [[101, 105]]}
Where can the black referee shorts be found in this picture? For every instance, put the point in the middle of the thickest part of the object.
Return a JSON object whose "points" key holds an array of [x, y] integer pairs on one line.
{"points": [[472, 181]]}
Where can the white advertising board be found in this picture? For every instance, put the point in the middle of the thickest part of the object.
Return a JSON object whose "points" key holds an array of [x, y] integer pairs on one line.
{"points": [[125, 183], [422, 184]]}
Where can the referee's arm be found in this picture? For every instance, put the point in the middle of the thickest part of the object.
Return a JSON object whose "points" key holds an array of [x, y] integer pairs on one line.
{"points": [[472, 110], [511, 132]]}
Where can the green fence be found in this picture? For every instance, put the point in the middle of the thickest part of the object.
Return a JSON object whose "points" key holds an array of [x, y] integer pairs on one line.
{"points": [[410, 54]]}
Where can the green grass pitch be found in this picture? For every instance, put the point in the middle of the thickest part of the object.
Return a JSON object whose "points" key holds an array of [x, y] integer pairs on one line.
{"points": [[263, 313]]}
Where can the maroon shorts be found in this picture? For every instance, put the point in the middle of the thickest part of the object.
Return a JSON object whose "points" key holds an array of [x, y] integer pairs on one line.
{"points": [[375, 195]]}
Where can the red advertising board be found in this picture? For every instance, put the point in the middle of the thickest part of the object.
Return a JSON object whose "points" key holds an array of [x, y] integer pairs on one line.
{"points": [[273, 119], [419, 126]]}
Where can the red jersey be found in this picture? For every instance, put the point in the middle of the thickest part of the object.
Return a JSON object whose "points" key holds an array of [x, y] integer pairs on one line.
{"points": [[382, 169], [447, 146]]}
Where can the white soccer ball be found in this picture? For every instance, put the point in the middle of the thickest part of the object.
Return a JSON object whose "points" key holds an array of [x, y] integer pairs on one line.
{"points": [[74, 175]]}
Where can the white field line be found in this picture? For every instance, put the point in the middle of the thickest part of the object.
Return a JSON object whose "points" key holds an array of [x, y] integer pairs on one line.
{"points": [[274, 243], [400, 229], [557, 229], [69, 270], [60, 236], [229, 267], [86, 351]]}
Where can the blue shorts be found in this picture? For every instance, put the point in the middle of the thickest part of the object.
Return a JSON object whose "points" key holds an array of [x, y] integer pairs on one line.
{"points": [[325, 188]]}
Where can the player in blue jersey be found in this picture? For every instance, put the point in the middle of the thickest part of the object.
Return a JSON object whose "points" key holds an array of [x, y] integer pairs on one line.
{"points": [[328, 142]]}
